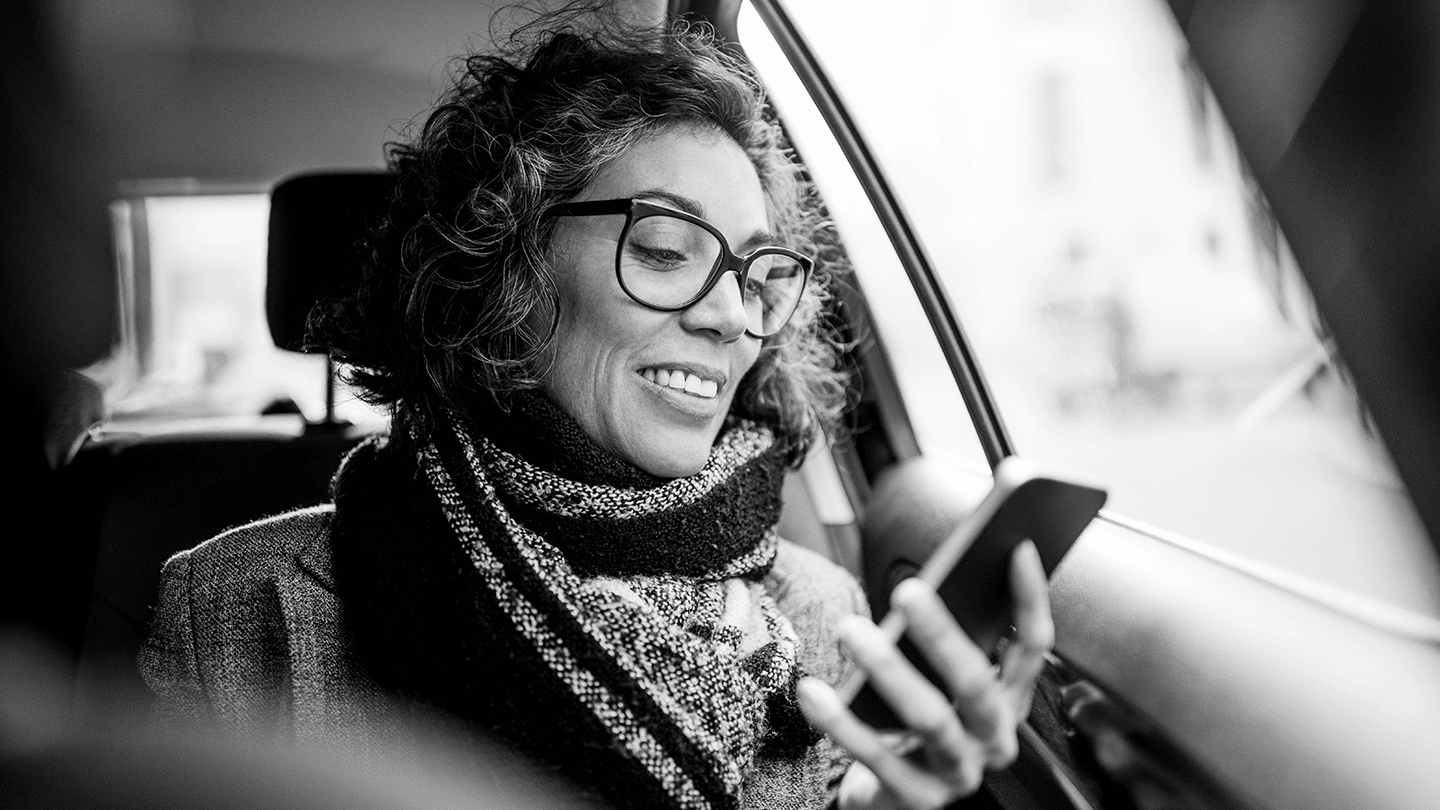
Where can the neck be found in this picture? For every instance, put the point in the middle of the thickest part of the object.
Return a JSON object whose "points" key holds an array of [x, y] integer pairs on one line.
{"points": [[539, 431]]}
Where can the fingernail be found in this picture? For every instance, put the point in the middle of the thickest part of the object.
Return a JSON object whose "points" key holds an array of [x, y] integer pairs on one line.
{"points": [[905, 593], [805, 687], [1029, 550], [846, 630], [810, 692], [900, 595]]}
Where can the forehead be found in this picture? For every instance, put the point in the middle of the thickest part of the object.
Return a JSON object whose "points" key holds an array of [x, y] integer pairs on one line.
{"points": [[698, 164]]}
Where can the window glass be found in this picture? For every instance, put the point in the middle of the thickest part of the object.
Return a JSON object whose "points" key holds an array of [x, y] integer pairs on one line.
{"points": [[933, 403], [193, 338], [1134, 307]]}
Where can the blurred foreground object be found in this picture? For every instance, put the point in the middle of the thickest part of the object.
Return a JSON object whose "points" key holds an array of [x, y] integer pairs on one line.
{"points": [[57, 311], [50, 758], [1336, 105]]}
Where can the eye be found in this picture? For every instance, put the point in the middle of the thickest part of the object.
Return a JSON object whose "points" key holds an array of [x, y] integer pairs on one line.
{"points": [[658, 257], [662, 244], [754, 289]]}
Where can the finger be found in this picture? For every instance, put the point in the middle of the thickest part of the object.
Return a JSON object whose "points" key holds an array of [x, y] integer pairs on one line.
{"points": [[918, 703], [963, 666], [911, 785], [1034, 628], [860, 787]]}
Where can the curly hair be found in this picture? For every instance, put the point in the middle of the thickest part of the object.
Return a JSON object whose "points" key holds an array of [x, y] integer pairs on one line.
{"points": [[453, 279]]}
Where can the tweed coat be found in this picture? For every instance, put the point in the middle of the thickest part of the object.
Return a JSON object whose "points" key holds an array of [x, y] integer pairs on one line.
{"points": [[249, 636]]}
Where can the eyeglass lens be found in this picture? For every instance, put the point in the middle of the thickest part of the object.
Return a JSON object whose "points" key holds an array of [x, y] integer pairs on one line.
{"points": [[665, 262]]}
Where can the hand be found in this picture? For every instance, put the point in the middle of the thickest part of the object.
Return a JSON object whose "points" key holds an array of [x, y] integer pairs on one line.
{"points": [[949, 747]]}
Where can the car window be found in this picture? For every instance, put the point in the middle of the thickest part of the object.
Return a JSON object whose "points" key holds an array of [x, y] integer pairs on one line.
{"points": [[193, 339], [936, 411], [1133, 304]]}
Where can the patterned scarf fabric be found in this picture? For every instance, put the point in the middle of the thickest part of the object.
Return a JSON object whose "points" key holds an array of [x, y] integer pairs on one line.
{"points": [[633, 644]]}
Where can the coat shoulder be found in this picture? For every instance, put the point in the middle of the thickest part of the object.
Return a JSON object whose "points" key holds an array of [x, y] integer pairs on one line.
{"points": [[815, 594], [804, 578], [265, 550], [248, 634], [232, 598]]}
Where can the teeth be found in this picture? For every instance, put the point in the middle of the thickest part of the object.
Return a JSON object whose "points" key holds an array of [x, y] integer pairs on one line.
{"points": [[682, 381]]}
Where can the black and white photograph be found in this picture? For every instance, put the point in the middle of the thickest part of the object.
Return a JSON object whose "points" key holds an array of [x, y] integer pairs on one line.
{"points": [[721, 404]]}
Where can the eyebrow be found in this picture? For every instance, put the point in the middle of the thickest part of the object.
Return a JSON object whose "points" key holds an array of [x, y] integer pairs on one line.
{"points": [[760, 238]]}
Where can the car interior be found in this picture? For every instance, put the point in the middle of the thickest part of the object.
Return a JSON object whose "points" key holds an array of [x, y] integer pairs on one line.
{"points": [[149, 497], [1184, 675]]}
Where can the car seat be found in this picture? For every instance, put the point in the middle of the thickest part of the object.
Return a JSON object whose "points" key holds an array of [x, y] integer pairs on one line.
{"points": [[147, 497]]}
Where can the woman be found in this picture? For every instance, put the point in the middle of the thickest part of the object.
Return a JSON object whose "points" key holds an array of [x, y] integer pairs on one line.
{"points": [[595, 315]]}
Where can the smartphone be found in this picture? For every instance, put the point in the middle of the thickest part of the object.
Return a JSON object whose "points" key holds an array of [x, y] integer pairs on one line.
{"points": [[970, 569]]}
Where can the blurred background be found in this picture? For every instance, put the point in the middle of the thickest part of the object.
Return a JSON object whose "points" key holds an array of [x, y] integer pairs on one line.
{"points": [[206, 105]]}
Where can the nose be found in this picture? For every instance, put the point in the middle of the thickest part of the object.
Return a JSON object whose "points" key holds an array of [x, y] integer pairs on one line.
{"points": [[721, 313]]}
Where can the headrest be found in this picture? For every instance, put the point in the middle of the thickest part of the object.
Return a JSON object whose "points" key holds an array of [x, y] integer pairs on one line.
{"points": [[315, 222]]}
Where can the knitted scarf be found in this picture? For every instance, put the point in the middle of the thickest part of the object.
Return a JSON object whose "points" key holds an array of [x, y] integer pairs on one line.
{"points": [[609, 622]]}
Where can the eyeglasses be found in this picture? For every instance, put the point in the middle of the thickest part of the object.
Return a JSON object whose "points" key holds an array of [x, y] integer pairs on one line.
{"points": [[667, 260]]}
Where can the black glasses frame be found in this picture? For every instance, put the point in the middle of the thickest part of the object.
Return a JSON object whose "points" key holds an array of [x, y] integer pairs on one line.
{"points": [[637, 209]]}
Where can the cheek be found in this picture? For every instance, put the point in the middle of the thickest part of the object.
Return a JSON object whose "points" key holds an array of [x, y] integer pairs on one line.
{"points": [[596, 331], [596, 320], [755, 364], [574, 298], [752, 353]]}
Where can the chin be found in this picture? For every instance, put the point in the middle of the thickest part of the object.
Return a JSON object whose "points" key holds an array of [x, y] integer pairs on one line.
{"points": [[672, 465], [671, 456]]}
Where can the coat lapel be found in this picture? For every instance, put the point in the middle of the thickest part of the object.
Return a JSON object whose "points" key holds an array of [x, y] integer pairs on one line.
{"points": [[332, 695], [315, 560]]}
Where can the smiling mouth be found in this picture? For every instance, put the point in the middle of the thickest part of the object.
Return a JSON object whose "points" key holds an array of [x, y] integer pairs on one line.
{"points": [[682, 381]]}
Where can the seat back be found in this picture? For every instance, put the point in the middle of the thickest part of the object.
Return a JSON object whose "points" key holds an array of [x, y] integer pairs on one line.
{"points": [[158, 497], [150, 497], [315, 222]]}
